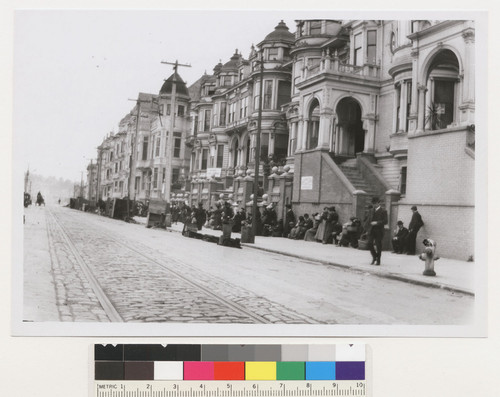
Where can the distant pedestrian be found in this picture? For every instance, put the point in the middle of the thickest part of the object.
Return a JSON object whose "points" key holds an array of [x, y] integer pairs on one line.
{"points": [[415, 224], [400, 238], [379, 220]]}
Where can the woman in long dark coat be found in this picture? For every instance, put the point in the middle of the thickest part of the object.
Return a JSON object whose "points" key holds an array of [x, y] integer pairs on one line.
{"points": [[320, 233], [311, 233], [330, 226]]}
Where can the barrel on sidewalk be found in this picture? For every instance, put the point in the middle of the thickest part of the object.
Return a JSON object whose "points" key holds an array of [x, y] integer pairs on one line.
{"points": [[247, 235]]}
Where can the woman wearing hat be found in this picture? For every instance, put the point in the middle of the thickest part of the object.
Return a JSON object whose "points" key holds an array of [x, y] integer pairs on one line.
{"points": [[311, 233], [320, 233], [331, 229]]}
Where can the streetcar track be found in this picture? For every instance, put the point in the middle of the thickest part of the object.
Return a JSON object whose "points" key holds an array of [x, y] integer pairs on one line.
{"points": [[108, 305], [232, 305], [101, 296], [53, 260]]}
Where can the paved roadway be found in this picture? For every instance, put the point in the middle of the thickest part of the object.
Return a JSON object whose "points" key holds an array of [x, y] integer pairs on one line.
{"points": [[83, 267]]}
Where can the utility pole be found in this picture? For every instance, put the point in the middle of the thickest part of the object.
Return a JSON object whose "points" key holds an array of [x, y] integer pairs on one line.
{"points": [[257, 151], [170, 136], [133, 144], [99, 166], [90, 183], [81, 184]]}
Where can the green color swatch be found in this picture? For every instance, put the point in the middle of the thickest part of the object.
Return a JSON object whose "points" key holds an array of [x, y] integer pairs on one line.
{"points": [[290, 370]]}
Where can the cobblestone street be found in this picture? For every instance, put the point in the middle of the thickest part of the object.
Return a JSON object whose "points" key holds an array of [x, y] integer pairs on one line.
{"points": [[98, 269]]}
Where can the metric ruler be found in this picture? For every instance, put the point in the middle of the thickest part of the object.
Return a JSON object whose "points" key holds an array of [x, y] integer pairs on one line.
{"points": [[345, 388]]}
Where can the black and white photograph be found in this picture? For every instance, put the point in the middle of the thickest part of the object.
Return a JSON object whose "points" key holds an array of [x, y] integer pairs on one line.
{"points": [[261, 173]]}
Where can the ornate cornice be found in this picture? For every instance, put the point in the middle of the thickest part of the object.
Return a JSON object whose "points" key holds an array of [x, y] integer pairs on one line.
{"points": [[469, 35]]}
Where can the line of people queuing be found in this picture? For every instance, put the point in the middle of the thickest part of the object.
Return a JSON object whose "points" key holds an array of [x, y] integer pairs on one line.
{"points": [[325, 227]]}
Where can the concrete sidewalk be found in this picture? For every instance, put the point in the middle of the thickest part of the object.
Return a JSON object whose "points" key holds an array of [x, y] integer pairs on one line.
{"points": [[453, 275]]}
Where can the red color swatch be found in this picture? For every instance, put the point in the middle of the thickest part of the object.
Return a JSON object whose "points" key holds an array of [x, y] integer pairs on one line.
{"points": [[229, 370]]}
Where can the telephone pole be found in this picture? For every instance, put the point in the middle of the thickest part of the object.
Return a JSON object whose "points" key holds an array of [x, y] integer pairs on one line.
{"points": [[133, 144], [170, 136], [257, 150]]}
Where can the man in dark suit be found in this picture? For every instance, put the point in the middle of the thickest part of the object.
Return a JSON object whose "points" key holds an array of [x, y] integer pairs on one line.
{"points": [[399, 239], [415, 224], [289, 220], [378, 221]]}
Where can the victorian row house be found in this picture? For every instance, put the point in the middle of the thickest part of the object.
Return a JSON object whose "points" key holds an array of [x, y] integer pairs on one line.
{"points": [[386, 108], [350, 110], [225, 110]]}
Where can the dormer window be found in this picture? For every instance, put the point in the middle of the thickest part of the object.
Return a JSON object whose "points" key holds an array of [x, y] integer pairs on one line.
{"points": [[272, 54], [315, 27]]}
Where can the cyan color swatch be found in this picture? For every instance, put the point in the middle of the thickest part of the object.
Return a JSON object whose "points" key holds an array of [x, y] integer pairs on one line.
{"points": [[320, 370]]}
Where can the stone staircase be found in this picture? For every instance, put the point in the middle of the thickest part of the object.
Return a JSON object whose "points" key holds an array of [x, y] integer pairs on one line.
{"points": [[351, 171]]}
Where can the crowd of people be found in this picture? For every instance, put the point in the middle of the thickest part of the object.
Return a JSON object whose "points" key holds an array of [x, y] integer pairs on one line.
{"points": [[324, 227]]}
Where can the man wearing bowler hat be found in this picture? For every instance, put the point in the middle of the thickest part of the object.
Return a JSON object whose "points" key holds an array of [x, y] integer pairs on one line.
{"points": [[379, 220], [399, 239], [415, 224]]}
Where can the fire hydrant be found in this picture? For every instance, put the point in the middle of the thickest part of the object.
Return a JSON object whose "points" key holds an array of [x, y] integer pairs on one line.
{"points": [[429, 256]]}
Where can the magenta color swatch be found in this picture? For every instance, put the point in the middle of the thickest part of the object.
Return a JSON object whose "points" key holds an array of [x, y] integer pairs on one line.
{"points": [[198, 370]]}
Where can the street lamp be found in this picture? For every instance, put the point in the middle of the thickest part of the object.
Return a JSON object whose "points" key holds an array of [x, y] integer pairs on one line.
{"points": [[257, 149]]}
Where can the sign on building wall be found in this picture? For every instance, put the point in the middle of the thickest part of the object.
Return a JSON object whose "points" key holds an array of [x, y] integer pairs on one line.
{"points": [[216, 172], [306, 183]]}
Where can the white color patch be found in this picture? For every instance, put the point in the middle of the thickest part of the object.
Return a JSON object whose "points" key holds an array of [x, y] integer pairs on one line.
{"points": [[169, 370]]}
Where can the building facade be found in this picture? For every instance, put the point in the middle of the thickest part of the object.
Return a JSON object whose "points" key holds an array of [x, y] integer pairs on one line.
{"points": [[386, 108], [350, 110], [225, 111], [138, 162]]}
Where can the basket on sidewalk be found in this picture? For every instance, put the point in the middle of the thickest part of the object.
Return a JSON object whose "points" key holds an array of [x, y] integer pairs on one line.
{"points": [[363, 243], [189, 229]]}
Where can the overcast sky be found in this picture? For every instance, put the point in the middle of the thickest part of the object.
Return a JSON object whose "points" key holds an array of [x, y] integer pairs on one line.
{"points": [[74, 71]]}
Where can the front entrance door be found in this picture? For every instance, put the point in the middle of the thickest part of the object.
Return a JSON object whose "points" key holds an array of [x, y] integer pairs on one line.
{"points": [[351, 136]]}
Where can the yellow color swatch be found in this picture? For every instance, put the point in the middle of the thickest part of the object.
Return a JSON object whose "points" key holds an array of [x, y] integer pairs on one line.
{"points": [[260, 370]]}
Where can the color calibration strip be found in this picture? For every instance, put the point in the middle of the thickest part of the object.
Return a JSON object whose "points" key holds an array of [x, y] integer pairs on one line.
{"points": [[148, 362]]}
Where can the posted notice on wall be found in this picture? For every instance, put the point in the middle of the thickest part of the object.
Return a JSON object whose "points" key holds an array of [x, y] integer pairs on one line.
{"points": [[215, 172], [306, 183]]}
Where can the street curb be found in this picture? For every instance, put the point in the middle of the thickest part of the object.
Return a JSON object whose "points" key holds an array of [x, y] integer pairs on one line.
{"points": [[381, 274]]}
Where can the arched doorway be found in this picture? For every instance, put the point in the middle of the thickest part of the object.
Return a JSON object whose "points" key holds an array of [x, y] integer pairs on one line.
{"points": [[248, 147], [350, 134], [313, 125], [442, 81], [236, 153]]}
